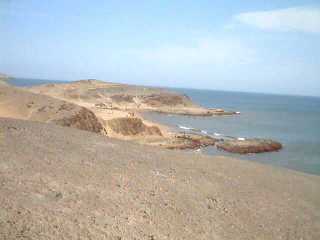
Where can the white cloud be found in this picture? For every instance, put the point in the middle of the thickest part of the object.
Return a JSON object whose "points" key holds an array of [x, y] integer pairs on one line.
{"points": [[305, 19]]}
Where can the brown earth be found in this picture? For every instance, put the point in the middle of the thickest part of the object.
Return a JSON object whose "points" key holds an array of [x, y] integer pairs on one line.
{"points": [[167, 99], [113, 109], [89, 93], [21, 104], [119, 105], [132, 127], [63, 183], [189, 141]]}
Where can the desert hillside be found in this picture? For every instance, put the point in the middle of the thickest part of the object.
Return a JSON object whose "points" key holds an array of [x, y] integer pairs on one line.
{"points": [[99, 94], [21, 104], [120, 107], [63, 183]]}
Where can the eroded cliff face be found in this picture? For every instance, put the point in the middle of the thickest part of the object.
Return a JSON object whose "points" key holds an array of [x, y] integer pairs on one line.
{"points": [[83, 119], [132, 127]]}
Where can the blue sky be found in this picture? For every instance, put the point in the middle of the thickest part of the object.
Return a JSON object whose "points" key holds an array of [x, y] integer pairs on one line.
{"points": [[257, 46]]}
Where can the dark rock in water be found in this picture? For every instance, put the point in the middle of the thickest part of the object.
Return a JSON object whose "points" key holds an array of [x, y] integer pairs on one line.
{"points": [[249, 146], [190, 141]]}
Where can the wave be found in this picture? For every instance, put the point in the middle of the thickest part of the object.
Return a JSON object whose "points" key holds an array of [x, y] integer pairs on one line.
{"points": [[241, 139], [185, 128]]}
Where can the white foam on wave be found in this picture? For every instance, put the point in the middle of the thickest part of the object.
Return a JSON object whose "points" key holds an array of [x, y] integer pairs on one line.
{"points": [[217, 134], [241, 139], [204, 132], [184, 127]]}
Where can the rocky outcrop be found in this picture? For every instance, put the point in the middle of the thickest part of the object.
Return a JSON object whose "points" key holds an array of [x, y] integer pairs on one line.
{"points": [[166, 99], [132, 127], [84, 119], [190, 141], [122, 98], [249, 146]]}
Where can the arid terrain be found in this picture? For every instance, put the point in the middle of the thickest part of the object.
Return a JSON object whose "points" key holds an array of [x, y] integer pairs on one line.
{"points": [[63, 183], [21, 104], [119, 106], [106, 95], [68, 171]]}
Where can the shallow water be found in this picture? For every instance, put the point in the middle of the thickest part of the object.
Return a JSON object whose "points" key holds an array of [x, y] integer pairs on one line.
{"points": [[292, 120]]}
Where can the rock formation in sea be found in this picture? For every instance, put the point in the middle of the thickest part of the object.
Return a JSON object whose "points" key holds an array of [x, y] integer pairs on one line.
{"points": [[244, 146]]}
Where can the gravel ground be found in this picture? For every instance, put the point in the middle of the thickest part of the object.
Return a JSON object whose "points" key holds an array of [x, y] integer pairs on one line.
{"points": [[64, 183]]}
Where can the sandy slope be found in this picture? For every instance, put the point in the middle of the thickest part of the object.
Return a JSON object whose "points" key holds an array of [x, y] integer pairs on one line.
{"points": [[63, 183], [21, 104]]}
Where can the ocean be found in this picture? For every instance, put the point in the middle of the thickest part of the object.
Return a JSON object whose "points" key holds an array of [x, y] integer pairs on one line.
{"points": [[292, 120]]}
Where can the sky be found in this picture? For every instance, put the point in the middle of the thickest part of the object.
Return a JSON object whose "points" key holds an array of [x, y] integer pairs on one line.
{"points": [[254, 46]]}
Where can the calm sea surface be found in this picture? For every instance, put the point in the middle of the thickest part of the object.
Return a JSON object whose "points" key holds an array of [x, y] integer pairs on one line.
{"points": [[292, 120]]}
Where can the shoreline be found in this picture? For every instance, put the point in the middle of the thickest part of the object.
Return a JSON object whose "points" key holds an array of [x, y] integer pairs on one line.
{"points": [[120, 107], [64, 178]]}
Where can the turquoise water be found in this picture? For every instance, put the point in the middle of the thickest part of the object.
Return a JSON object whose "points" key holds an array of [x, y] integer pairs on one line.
{"points": [[292, 120]]}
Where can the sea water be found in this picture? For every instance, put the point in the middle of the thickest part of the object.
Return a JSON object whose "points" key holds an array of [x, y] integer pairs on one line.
{"points": [[292, 120]]}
